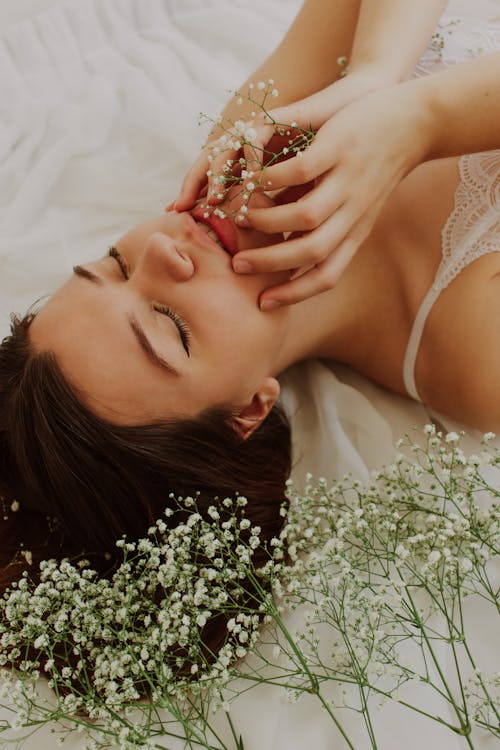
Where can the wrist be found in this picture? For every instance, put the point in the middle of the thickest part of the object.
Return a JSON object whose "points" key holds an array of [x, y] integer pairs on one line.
{"points": [[375, 71], [418, 102]]}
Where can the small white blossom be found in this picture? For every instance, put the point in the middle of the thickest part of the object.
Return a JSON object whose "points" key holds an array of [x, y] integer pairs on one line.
{"points": [[250, 135]]}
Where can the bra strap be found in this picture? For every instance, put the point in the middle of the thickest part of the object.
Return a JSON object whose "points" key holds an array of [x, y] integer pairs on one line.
{"points": [[414, 341]]}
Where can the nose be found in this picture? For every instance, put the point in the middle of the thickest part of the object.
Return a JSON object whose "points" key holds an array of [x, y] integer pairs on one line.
{"points": [[161, 257]]}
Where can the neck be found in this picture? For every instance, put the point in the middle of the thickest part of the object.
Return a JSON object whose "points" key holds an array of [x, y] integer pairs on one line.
{"points": [[314, 328]]}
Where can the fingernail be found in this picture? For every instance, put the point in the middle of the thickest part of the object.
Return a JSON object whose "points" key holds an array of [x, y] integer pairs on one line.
{"points": [[269, 304], [242, 266], [243, 221]]}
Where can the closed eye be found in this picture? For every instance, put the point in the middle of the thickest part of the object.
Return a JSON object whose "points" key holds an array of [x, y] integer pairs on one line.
{"points": [[113, 252], [181, 325], [184, 332]]}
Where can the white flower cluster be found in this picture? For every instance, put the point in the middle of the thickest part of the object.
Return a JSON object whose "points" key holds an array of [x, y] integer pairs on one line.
{"points": [[387, 565], [106, 643], [373, 577], [238, 155]]}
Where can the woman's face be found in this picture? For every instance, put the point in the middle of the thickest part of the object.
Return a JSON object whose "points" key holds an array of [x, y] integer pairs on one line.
{"points": [[163, 326]]}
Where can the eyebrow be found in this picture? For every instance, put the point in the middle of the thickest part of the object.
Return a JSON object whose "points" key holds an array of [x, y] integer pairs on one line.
{"points": [[86, 274], [147, 348], [135, 326]]}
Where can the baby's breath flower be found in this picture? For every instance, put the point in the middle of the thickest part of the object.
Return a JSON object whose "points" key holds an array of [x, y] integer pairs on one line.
{"points": [[250, 134]]}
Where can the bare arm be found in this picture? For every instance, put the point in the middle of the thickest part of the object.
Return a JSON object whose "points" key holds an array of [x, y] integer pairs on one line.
{"points": [[385, 37], [390, 36], [305, 61], [463, 106]]}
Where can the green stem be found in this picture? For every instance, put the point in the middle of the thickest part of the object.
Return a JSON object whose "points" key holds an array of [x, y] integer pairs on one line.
{"points": [[462, 729], [238, 739], [313, 678]]}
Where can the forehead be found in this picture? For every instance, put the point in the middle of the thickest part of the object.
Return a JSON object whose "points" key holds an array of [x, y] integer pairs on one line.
{"points": [[96, 351], [95, 348]]}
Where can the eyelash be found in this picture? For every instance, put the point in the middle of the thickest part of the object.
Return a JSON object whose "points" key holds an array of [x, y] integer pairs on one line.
{"points": [[184, 331], [113, 252]]}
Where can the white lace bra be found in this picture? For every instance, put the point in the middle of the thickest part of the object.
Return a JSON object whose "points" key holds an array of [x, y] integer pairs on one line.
{"points": [[473, 228]]}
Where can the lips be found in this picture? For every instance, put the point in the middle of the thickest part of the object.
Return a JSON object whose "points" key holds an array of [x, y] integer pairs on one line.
{"points": [[223, 228]]}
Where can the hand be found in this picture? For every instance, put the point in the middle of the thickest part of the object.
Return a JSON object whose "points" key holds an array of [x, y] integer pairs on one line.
{"points": [[358, 157], [319, 107]]}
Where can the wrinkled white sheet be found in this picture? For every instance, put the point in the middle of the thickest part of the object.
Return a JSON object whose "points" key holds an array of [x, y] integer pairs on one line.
{"points": [[98, 122]]}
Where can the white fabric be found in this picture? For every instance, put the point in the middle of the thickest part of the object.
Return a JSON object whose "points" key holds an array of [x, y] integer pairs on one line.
{"points": [[97, 126], [473, 228]]}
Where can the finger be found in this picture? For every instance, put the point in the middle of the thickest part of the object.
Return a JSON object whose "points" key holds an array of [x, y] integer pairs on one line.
{"points": [[301, 169], [307, 250], [319, 279], [212, 160], [169, 207], [303, 215], [223, 173], [253, 155], [291, 194], [322, 277], [256, 145], [192, 184]]}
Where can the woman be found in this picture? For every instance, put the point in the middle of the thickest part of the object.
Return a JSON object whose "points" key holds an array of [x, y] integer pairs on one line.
{"points": [[128, 401]]}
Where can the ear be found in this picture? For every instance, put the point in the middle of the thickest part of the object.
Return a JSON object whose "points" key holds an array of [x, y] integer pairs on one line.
{"points": [[253, 414]]}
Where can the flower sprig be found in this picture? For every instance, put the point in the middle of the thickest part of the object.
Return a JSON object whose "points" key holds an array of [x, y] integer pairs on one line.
{"points": [[247, 154]]}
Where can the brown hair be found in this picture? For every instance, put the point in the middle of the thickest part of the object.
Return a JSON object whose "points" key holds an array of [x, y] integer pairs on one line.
{"points": [[101, 481]]}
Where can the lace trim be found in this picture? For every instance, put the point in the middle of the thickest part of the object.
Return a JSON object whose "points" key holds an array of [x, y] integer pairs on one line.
{"points": [[473, 228]]}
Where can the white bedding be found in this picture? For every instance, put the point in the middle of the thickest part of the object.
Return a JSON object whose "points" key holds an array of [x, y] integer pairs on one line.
{"points": [[98, 122]]}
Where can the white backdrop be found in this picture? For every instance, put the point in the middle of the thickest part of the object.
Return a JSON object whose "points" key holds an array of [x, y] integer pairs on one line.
{"points": [[15, 10]]}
